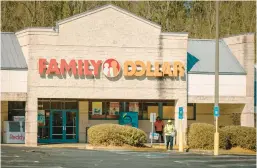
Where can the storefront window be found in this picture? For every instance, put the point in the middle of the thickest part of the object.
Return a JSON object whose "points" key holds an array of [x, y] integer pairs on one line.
{"points": [[56, 105], [134, 106], [15, 108], [70, 105], [105, 110], [168, 111], [148, 108], [96, 110], [111, 109], [191, 111], [43, 124]]}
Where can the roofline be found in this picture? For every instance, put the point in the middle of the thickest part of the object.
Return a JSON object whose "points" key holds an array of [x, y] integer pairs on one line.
{"points": [[213, 73], [92, 11], [174, 33], [12, 68], [190, 39], [26, 29], [7, 33], [238, 63], [249, 33]]}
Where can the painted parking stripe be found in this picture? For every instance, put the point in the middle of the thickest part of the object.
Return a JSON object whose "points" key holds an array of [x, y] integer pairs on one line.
{"points": [[10, 156], [34, 166], [232, 165], [28, 161]]}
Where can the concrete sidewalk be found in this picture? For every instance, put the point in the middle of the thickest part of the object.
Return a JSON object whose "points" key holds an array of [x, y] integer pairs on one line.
{"points": [[155, 148]]}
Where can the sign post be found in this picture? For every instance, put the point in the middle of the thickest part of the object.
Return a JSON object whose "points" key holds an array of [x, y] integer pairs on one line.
{"points": [[152, 120], [180, 117], [216, 90], [216, 135]]}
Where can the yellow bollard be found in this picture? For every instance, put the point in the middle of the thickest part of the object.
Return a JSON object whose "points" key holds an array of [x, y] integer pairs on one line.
{"points": [[181, 141], [216, 143]]}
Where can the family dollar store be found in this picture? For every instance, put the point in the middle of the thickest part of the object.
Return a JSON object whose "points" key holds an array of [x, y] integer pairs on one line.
{"points": [[92, 66]]}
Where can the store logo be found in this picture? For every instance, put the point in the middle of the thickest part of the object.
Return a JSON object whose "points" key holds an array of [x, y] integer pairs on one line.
{"points": [[17, 137], [158, 69], [111, 68], [127, 119]]}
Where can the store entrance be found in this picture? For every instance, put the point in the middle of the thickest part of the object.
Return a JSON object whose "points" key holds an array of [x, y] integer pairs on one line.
{"points": [[63, 126]]}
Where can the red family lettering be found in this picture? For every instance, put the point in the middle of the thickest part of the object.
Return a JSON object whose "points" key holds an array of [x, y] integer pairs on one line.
{"points": [[79, 67], [17, 137]]}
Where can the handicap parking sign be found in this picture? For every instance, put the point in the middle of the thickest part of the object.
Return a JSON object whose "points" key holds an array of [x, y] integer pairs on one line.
{"points": [[180, 113], [216, 111]]}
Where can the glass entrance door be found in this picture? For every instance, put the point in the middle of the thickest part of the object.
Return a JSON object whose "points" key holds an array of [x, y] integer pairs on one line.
{"points": [[71, 125], [57, 125], [64, 126]]}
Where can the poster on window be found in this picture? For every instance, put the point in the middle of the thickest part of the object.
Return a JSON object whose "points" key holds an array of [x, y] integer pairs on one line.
{"points": [[97, 108], [134, 107], [41, 117], [114, 108]]}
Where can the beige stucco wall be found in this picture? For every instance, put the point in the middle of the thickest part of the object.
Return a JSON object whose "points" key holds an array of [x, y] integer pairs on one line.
{"points": [[108, 33], [204, 114], [14, 81], [229, 85], [242, 47]]}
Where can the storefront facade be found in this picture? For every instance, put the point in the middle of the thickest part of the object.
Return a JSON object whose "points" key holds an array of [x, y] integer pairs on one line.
{"points": [[94, 65]]}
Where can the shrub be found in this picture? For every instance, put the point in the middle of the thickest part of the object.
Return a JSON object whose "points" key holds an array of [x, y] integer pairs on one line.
{"points": [[244, 137], [117, 135], [201, 136]]}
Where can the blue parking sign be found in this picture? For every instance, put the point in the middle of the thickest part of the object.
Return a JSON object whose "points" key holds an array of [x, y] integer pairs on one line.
{"points": [[216, 111], [180, 113]]}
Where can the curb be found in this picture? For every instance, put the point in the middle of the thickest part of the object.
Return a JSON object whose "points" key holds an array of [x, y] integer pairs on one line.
{"points": [[89, 147]]}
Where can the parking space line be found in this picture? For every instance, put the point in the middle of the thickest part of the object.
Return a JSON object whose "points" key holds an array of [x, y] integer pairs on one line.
{"points": [[10, 156], [232, 165], [34, 166]]}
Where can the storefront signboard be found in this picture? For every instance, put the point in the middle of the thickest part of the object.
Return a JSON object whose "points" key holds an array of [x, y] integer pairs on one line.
{"points": [[111, 68]]}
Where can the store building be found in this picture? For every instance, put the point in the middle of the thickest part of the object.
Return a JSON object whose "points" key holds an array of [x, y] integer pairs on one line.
{"points": [[96, 64]]}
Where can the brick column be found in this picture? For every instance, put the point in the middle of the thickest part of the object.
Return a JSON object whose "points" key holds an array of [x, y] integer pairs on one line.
{"points": [[83, 120], [31, 122]]}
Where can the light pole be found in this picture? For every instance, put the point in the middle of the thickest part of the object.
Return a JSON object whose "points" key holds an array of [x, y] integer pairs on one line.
{"points": [[216, 106]]}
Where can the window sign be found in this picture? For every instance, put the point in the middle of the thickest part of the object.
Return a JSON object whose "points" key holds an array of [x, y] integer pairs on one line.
{"points": [[41, 118], [114, 108], [97, 108], [133, 106]]}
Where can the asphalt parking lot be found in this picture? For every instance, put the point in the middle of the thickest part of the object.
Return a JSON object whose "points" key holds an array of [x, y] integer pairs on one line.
{"points": [[23, 157]]}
